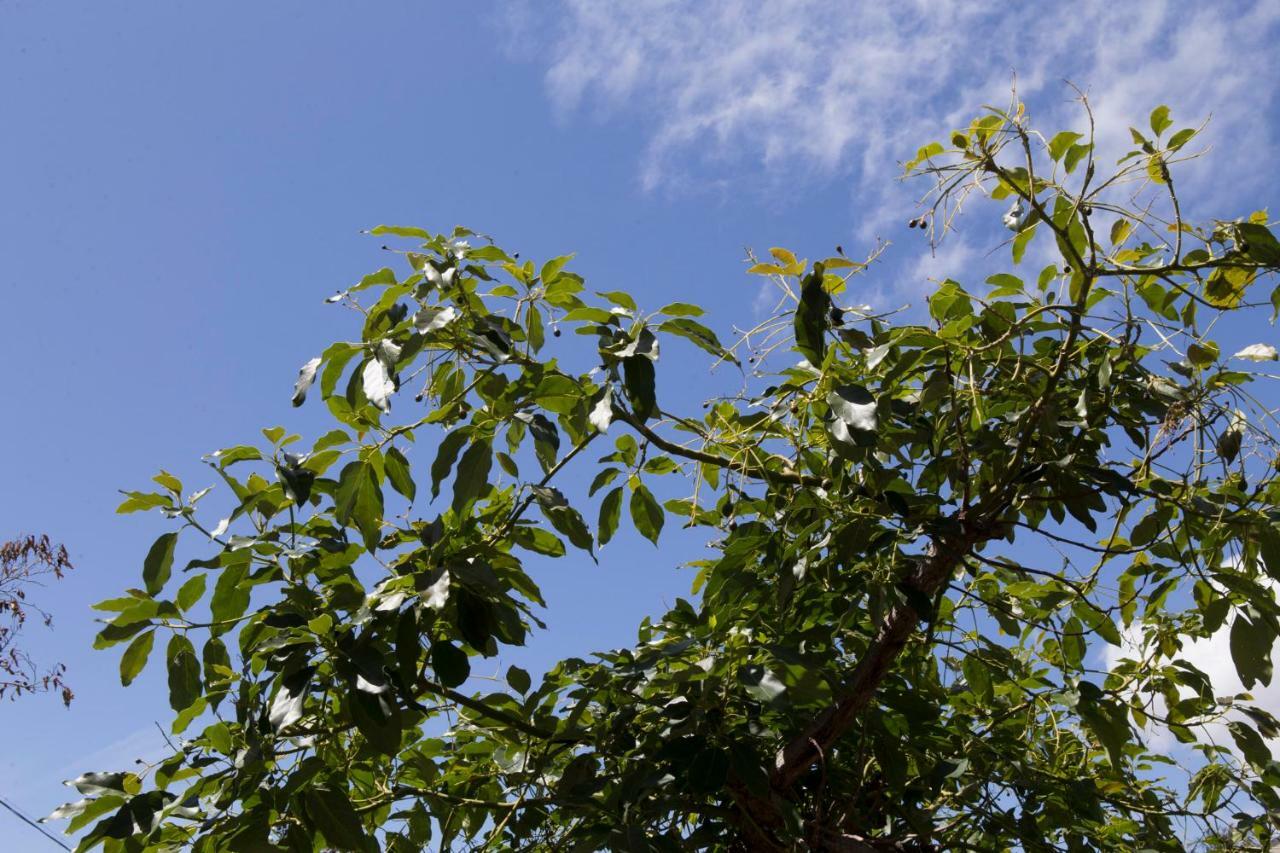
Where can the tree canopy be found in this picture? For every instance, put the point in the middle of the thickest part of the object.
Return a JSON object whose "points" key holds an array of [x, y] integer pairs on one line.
{"points": [[926, 530]]}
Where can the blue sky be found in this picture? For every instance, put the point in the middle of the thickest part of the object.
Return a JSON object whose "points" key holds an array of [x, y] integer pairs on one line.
{"points": [[184, 183]]}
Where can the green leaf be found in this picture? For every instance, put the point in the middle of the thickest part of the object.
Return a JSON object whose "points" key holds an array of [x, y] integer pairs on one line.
{"points": [[646, 513], [617, 297], [118, 631], [1160, 120], [230, 596], [610, 514], [552, 268], [169, 481], [449, 663], [400, 231], [191, 592], [1106, 719], [1006, 282], [1181, 138], [518, 679], [811, 318], [681, 309], [698, 334], [1060, 143], [1075, 154], [978, 677], [240, 453], [158, 565], [359, 501], [1250, 744], [472, 480], [336, 359], [1120, 230], [135, 657], [537, 540], [1258, 243], [562, 516], [1251, 644], [377, 717], [184, 672], [558, 393], [638, 383], [855, 406], [446, 455], [330, 812], [397, 467], [1269, 549], [1021, 242], [138, 501], [546, 440], [1203, 353]]}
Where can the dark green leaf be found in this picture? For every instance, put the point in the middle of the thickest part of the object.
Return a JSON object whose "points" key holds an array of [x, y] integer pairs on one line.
{"points": [[230, 596], [811, 318], [646, 513], [610, 514], [359, 501], [159, 563], [446, 454], [537, 540], [638, 381], [563, 517], [330, 812], [398, 473], [135, 657], [184, 672], [1250, 744], [518, 679], [698, 334], [1251, 644], [378, 718], [1259, 243], [1106, 719], [449, 663], [546, 440], [472, 480]]}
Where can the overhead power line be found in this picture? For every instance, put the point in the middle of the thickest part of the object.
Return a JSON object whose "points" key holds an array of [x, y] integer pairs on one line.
{"points": [[31, 823]]}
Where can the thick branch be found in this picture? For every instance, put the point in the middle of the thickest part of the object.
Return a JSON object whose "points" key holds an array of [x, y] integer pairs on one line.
{"points": [[795, 759]]}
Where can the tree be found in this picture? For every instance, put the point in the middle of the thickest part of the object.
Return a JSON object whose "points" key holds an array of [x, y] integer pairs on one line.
{"points": [[25, 562], [927, 532]]}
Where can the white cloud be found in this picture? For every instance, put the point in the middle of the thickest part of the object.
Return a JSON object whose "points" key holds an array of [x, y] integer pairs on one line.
{"points": [[776, 91], [1212, 656]]}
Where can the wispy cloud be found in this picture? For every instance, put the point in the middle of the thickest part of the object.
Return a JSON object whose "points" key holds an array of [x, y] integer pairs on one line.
{"points": [[815, 89], [1212, 656]]}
